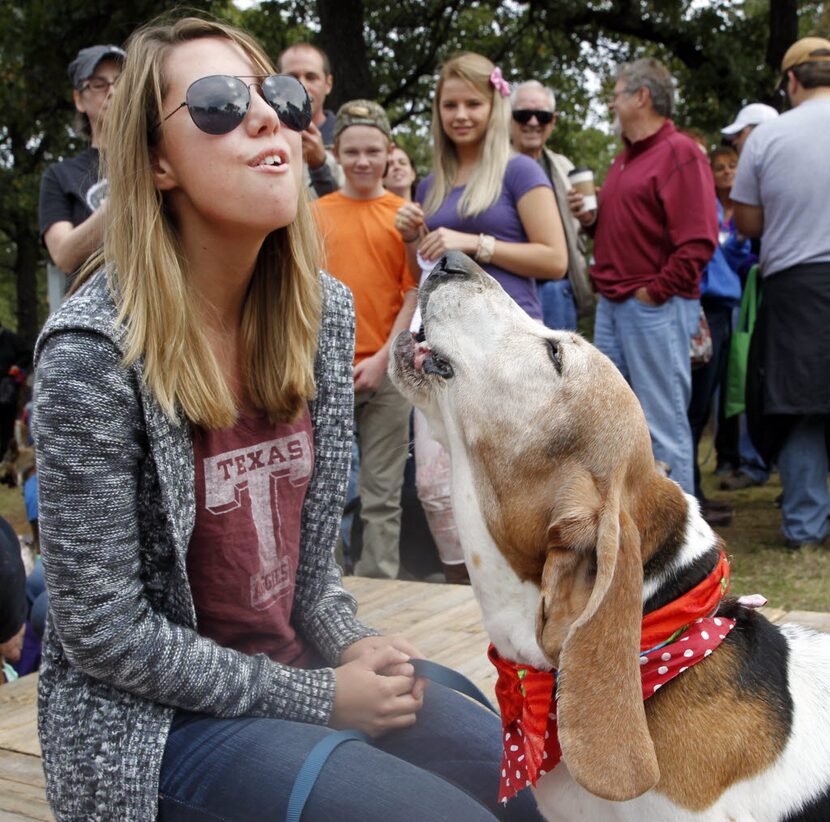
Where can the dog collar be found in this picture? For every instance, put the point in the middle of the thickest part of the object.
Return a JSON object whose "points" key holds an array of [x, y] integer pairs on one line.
{"points": [[667, 622], [526, 695]]}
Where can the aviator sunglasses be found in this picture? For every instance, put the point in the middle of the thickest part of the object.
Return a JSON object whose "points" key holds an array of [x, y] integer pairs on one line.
{"points": [[219, 103], [523, 115]]}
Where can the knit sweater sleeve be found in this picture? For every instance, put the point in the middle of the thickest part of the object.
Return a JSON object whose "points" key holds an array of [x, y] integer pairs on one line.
{"points": [[323, 610], [99, 553]]}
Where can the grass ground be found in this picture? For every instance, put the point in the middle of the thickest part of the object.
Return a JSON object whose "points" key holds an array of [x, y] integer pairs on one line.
{"points": [[792, 580], [11, 509]]}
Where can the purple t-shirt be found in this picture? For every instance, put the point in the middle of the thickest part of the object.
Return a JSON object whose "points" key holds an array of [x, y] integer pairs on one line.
{"points": [[501, 220]]}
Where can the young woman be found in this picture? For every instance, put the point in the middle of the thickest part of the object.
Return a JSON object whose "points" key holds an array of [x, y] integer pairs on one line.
{"points": [[193, 428], [494, 205], [400, 174]]}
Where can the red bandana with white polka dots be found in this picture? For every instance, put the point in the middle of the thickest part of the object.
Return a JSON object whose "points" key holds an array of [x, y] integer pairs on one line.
{"points": [[528, 707]]}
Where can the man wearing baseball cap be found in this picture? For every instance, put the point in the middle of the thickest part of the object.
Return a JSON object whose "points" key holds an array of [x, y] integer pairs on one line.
{"points": [[780, 195], [748, 117], [72, 194], [365, 250], [752, 469]]}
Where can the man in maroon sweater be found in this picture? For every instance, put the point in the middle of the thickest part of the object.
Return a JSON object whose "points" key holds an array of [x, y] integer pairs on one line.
{"points": [[655, 230]]}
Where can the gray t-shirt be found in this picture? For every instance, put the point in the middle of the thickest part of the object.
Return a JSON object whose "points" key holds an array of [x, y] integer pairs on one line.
{"points": [[785, 169]]}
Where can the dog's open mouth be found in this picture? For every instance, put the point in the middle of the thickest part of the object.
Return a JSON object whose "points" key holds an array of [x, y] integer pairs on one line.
{"points": [[428, 361]]}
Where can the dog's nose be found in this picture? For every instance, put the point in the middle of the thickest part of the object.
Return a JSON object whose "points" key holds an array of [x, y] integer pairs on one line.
{"points": [[454, 265]]}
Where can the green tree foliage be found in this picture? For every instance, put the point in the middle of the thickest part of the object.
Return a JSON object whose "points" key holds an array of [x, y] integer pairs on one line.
{"points": [[716, 50], [38, 40]]}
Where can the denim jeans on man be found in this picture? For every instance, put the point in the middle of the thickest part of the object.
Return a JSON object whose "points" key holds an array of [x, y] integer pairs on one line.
{"points": [[650, 345], [446, 766], [752, 463], [709, 377], [802, 464], [558, 304]]}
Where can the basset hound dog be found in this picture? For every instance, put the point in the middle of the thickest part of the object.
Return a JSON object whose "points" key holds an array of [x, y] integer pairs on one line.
{"points": [[630, 688]]}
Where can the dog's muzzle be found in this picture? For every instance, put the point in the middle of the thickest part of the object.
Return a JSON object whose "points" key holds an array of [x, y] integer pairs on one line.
{"points": [[454, 265]]}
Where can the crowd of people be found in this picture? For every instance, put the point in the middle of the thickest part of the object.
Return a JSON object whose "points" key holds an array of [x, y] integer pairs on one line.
{"points": [[213, 389]]}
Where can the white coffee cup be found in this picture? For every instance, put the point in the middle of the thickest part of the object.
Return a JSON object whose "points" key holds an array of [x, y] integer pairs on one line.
{"points": [[582, 179]]}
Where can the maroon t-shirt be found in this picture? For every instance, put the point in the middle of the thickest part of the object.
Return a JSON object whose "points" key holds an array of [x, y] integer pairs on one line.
{"points": [[251, 481]]}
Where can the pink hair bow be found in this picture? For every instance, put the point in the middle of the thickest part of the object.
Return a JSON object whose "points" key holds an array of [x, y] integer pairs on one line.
{"points": [[501, 85]]}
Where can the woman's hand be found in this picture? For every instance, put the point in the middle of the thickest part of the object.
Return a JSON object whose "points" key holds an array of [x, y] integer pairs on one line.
{"points": [[372, 643], [369, 701], [442, 240], [410, 222]]}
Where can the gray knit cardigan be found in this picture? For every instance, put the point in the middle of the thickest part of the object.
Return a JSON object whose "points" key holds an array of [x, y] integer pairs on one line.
{"points": [[116, 514]]}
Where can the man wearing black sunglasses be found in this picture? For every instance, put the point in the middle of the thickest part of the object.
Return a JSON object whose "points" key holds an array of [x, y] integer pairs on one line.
{"points": [[534, 117], [71, 212]]}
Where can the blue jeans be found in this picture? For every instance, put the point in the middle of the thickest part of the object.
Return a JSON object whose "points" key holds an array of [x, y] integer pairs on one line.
{"points": [[650, 345], [558, 305], [708, 378], [444, 767], [38, 598], [351, 494], [802, 464], [752, 463]]}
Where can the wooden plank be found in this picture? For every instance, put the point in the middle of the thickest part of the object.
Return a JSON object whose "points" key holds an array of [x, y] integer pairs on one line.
{"points": [[21, 768], [811, 619], [443, 621], [774, 614], [18, 716], [21, 800]]}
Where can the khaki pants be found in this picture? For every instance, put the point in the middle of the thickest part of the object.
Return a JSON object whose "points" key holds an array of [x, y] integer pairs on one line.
{"points": [[382, 428]]}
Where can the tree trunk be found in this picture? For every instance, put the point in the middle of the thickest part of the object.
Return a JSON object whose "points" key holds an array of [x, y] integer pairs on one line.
{"points": [[783, 30], [341, 37], [25, 270]]}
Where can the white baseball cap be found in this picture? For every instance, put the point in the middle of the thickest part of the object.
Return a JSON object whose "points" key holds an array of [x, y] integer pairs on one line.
{"points": [[750, 115]]}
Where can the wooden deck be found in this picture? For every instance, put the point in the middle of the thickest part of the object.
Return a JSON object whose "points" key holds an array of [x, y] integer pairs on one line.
{"points": [[22, 793], [443, 621]]}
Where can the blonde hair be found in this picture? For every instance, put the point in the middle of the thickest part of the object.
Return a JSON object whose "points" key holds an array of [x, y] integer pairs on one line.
{"points": [[158, 306], [485, 183]]}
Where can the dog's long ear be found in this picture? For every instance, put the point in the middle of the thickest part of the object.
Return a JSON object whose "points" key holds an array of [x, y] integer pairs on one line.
{"points": [[602, 724], [568, 573]]}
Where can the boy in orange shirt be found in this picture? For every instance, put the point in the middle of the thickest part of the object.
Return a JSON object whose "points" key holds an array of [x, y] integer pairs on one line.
{"points": [[366, 252]]}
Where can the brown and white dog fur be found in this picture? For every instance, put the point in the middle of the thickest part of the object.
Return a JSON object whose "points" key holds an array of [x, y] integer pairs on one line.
{"points": [[570, 534]]}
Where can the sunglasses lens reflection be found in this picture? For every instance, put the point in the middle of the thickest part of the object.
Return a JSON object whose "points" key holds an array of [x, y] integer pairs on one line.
{"points": [[288, 97], [218, 104]]}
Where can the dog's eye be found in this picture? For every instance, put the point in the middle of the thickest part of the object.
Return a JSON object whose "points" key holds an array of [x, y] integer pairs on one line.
{"points": [[555, 356]]}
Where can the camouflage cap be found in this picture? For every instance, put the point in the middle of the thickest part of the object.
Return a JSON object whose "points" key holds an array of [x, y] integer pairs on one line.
{"points": [[362, 113]]}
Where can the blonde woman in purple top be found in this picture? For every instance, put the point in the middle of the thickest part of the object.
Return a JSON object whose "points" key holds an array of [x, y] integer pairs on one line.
{"points": [[481, 199], [494, 205]]}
